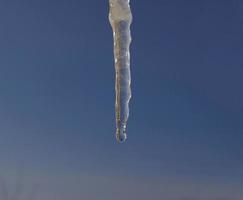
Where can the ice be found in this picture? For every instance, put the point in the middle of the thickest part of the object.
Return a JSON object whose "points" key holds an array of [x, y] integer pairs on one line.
{"points": [[120, 19]]}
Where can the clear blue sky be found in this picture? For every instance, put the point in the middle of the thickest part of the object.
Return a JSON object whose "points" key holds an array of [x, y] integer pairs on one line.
{"points": [[57, 121]]}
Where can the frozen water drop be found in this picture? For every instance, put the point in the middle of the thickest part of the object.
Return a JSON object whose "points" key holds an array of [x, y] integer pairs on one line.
{"points": [[121, 135]]}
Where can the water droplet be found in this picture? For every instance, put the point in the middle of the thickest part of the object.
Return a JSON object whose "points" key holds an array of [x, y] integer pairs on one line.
{"points": [[121, 135]]}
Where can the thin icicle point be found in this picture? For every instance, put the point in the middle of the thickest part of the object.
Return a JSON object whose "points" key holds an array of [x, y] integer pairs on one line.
{"points": [[120, 19]]}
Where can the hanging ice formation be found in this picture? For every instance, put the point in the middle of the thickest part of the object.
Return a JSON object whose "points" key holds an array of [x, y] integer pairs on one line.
{"points": [[120, 18]]}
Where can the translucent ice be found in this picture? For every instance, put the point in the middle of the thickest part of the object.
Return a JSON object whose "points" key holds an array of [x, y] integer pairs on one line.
{"points": [[120, 19]]}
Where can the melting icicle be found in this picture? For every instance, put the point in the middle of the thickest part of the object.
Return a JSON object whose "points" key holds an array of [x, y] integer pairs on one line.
{"points": [[120, 19]]}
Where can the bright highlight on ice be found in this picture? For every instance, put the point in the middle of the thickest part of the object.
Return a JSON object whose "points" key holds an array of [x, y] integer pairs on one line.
{"points": [[120, 17]]}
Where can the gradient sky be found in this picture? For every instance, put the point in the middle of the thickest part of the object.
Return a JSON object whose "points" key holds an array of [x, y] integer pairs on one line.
{"points": [[57, 120]]}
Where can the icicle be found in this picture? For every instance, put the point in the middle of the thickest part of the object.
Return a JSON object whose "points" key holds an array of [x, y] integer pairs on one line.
{"points": [[120, 19]]}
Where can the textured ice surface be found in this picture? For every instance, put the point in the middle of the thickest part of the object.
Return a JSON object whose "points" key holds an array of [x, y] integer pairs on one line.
{"points": [[120, 10], [120, 18]]}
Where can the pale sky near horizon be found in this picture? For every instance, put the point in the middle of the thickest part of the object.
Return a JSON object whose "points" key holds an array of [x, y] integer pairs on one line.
{"points": [[57, 120]]}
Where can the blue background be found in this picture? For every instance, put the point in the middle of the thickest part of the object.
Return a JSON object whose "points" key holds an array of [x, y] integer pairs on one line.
{"points": [[57, 120]]}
